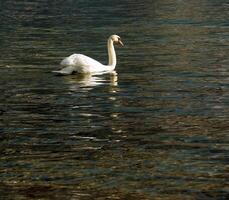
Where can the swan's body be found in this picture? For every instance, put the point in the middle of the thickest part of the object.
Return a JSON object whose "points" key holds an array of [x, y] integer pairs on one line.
{"points": [[83, 64]]}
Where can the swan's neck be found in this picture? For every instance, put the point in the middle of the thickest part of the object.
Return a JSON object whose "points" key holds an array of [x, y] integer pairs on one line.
{"points": [[111, 53]]}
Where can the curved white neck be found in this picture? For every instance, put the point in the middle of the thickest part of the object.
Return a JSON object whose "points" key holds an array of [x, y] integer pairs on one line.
{"points": [[111, 53]]}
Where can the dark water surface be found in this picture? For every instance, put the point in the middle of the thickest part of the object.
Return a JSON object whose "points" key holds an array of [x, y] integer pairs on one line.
{"points": [[157, 130]]}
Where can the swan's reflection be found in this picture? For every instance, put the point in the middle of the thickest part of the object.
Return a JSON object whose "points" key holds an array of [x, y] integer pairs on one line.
{"points": [[88, 81]]}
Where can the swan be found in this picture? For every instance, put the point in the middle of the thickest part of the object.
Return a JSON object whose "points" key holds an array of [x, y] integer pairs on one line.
{"points": [[83, 64]]}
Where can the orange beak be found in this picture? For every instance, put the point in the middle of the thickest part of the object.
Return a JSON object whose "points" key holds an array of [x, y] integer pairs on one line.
{"points": [[120, 43]]}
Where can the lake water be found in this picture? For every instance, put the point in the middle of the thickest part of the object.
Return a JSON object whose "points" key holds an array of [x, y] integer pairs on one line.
{"points": [[156, 130]]}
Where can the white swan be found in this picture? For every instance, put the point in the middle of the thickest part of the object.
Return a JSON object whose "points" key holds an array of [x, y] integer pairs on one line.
{"points": [[84, 64]]}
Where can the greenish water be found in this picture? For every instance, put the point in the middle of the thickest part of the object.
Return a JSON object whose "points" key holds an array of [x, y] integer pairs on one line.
{"points": [[157, 130]]}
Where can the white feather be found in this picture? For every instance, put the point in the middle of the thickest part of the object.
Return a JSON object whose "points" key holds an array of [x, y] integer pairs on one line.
{"points": [[84, 64]]}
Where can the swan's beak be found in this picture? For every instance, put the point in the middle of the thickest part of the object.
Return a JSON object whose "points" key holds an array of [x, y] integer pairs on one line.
{"points": [[120, 43]]}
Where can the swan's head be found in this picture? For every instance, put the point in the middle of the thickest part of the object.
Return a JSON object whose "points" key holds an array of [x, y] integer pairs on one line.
{"points": [[116, 40]]}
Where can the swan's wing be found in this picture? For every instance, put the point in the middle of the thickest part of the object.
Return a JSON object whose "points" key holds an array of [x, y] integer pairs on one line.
{"points": [[65, 71], [68, 61], [82, 64], [79, 60]]}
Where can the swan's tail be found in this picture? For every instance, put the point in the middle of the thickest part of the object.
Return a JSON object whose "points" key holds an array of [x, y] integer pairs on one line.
{"points": [[65, 71]]}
